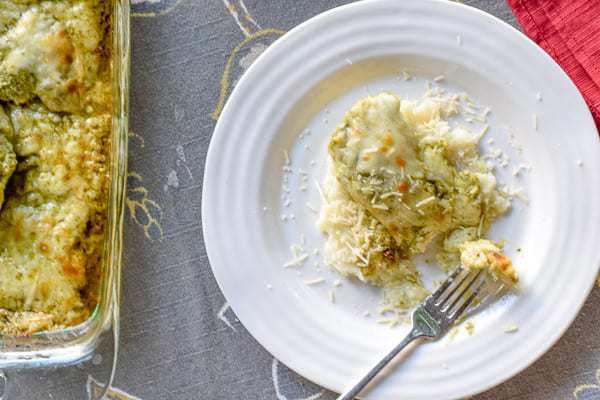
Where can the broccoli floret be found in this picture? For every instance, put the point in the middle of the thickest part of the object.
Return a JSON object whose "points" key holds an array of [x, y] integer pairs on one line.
{"points": [[18, 87]]}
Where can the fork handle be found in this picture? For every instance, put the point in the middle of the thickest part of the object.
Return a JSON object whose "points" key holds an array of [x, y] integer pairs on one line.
{"points": [[360, 385]]}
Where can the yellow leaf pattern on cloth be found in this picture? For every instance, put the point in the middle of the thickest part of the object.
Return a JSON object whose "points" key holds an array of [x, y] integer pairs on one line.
{"points": [[144, 211], [588, 390], [256, 40], [226, 78], [95, 389], [138, 138]]}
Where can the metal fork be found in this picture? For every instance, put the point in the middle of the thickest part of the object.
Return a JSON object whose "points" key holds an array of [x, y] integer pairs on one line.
{"points": [[433, 318]]}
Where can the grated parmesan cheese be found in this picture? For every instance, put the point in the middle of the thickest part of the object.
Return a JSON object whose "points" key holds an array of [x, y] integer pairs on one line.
{"points": [[323, 198], [521, 168], [381, 207], [296, 262], [286, 157], [296, 250], [390, 194], [513, 142], [315, 281], [299, 256], [517, 193], [484, 130], [425, 201], [480, 227]]}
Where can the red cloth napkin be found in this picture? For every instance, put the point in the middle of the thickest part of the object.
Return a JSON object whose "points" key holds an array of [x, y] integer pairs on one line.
{"points": [[569, 30]]}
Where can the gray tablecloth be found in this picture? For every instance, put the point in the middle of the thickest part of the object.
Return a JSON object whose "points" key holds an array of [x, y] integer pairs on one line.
{"points": [[180, 340]]}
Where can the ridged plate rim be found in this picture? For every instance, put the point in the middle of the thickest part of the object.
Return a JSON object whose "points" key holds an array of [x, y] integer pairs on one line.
{"points": [[231, 217]]}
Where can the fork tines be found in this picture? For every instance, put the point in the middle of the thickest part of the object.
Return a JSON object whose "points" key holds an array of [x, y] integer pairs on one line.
{"points": [[462, 289]]}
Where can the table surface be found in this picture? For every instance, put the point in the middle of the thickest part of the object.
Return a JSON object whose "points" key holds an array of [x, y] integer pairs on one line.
{"points": [[180, 339]]}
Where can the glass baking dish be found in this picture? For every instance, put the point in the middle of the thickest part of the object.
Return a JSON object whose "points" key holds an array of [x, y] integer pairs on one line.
{"points": [[76, 344]]}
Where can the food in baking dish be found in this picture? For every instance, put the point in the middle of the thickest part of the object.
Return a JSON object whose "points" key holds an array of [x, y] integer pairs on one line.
{"points": [[55, 124]]}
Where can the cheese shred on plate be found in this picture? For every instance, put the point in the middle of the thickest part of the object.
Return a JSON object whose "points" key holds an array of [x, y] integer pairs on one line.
{"points": [[403, 176]]}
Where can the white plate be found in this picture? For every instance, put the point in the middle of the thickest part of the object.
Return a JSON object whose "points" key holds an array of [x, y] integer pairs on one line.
{"points": [[306, 80]]}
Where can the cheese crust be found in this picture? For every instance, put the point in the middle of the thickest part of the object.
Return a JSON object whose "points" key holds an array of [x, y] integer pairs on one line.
{"points": [[55, 123]]}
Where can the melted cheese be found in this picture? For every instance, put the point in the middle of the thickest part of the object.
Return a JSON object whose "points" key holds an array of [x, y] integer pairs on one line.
{"points": [[359, 246], [388, 145], [483, 254], [52, 51], [51, 226], [402, 176], [52, 221]]}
